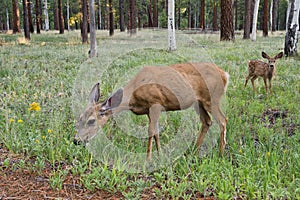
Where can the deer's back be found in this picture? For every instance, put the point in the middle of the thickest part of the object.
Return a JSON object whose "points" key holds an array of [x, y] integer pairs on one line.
{"points": [[258, 68], [175, 87]]}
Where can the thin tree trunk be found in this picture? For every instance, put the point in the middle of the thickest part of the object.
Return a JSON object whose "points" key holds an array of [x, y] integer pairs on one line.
{"points": [[55, 15], [189, 14], [84, 26], [274, 14], [7, 19], [16, 17], [29, 5], [121, 10], [155, 14], [215, 16], [68, 15], [254, 23], [99, 15], [93, 50], [236, 14], [111, 19], [179, 15], [227, 28], [46, 16], [292, 28], [171, 25], [61, 17], [202, 14], [247, 21], [37, 16], [266, 18], [26, 22]]}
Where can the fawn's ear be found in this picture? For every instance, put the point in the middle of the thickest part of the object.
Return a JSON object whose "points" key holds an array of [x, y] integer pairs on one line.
{"points": [[113, 101], [94, 94], [264, 55], [279, 55]]}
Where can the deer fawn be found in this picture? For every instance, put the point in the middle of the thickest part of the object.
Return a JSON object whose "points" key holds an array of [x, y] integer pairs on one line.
{"points": [[157, 89], [265, 70]]}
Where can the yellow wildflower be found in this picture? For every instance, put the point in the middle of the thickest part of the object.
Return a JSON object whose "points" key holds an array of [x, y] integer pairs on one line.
{"points": [[20, 121], [34, 106], [50, 131], [241, 151], [11, 120], [268, 153], [37, 141], [44, 137]]}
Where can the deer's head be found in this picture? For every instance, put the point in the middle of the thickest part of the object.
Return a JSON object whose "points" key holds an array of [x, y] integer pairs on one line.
{"points": [[272, 60], [96, 114]]}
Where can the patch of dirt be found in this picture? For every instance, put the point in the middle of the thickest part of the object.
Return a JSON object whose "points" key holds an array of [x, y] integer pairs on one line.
{"points": [[270, 117]]}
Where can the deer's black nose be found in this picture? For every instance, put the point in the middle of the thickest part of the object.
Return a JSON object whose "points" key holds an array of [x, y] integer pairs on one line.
{"points": [[271, 66], [77, 142]]}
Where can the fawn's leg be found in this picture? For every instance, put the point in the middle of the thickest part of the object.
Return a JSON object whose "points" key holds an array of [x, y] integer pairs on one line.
{"points": [[206, 123], [252, 81], [266, 85]]}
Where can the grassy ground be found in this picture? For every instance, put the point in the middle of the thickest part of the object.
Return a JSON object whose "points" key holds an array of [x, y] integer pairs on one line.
{"points": [[261, 160]]}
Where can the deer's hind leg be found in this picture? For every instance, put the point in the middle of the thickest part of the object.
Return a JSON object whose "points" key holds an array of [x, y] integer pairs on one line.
{"points": [[206, 123]]}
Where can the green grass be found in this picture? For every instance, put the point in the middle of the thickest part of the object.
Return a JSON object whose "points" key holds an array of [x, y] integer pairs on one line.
{"points": [[260, 161]]}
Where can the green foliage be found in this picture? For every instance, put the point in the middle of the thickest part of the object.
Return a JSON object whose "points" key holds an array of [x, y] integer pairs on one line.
{"points": [[261, 160]]}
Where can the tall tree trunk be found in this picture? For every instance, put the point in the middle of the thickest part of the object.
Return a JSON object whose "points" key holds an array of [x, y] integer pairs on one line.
{"points": [[202, 14], [55, 15], [179, 15], [7, 19], [236, 14], [93, 41], [37, 16], [121, 10], [227, 28], [266, 18], [189, 15], [247, 21], [155, 13], [84, 25], [111, 19], [29, 5], [46, 16], [16, 17], [132, 17], [68, 15], [149, 12], [61, 17], [254, 22], [25, 18], [292, 28], [215, 16], [99, 18], [171, 25], [274, 14]]}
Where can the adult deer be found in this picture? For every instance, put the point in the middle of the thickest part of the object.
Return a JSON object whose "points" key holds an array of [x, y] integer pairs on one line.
{"points": [[157, 89], [258, 68]]}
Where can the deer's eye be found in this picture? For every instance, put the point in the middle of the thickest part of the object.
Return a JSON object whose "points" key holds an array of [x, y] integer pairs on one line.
{"points": [[91, 122]]}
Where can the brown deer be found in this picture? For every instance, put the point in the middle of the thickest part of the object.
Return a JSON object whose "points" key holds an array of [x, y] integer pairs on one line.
{"points": [[157, 89], [258, 68]]}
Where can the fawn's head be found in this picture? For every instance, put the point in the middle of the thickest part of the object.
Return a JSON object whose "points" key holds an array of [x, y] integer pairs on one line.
{"points": [[272, 60], [96, 114]]}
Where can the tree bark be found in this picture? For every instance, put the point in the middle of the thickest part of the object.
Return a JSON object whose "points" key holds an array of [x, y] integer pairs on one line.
{"points": [[215, 16], [132, 17], [99, 18], [55, 15], [266, 18], [171, 25], [254, 22], [31, 29], [93, 44], [292, 28], [274, 15], [111, 19], [26, 22], [46, 16], [227, 28], [61, 17], [247, 21], [16, 17], [37, 16], [202, 14], [155, 14], [122, 20], [84, 25]]}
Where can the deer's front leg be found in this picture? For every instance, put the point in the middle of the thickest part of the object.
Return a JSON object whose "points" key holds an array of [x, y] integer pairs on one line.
{"points": [[153, 116], [266, 85], [270, 86]]}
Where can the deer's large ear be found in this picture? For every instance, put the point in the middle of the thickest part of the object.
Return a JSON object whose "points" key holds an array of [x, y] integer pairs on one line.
{"points": [[113, 101], [264, 55], [94, 94], [279, 55]]}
